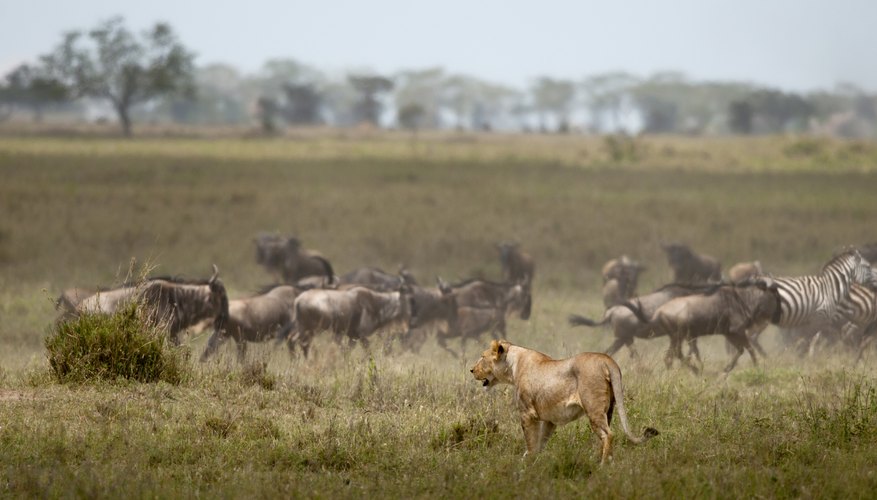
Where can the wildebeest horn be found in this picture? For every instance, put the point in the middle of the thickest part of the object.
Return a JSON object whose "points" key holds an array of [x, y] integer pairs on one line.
{"points": [[215, 274], [442, 285]]}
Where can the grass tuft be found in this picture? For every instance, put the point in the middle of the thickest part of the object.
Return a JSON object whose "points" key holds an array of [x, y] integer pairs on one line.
{"points": [[124, 346]]}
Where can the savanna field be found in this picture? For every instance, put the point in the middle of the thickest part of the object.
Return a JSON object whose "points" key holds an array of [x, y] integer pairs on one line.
{"points": [[75, 211]]}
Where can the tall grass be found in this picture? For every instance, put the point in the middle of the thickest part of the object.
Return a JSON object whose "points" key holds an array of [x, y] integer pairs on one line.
{"points": [[123, 345]]}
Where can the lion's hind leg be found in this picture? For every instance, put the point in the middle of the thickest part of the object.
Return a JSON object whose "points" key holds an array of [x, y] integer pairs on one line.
{"points": [[600, 426]]}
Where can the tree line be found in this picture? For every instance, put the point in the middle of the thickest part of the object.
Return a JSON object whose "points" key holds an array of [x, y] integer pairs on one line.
{"points": [[152, 77]]}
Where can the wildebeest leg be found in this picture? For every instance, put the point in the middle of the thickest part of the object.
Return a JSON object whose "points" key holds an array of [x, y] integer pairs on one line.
{"points": [[738, 346], [242, 350], [619, 341], [686, 360], [671, 352], [442, 342], [213, 344], [692, 349], [753, 333], [634, 354]]}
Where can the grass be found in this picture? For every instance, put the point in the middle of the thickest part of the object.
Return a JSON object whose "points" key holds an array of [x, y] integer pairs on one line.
{"points": [[74, 211]]}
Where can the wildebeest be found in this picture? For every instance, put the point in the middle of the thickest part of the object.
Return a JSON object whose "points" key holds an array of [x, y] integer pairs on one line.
{"points": [[285, 258], [740, 272], [377, 279], [69, 300], [517, 266], [728, 310], [469, 309], [626, 326], [255, 319], [690, 267], [172, 302], [355, 313], [620, 277]]}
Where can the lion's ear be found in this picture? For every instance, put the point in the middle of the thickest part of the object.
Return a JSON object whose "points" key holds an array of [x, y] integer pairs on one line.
{"points": [[500, 349]]}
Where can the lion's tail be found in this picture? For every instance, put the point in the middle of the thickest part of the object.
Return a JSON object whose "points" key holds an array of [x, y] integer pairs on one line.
{"points": [[618, 391]]}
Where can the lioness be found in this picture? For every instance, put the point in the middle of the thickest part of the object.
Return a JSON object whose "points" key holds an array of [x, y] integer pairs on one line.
{"points": [[554, 392]]}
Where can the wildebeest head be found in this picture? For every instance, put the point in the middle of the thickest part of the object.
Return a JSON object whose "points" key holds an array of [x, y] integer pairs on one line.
{"points": [[677, 253], [218, 300], [270, 249], [428, 305]]}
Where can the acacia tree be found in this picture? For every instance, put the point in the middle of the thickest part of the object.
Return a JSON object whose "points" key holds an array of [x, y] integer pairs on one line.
{"points": [[110, 63], [369, 107]]}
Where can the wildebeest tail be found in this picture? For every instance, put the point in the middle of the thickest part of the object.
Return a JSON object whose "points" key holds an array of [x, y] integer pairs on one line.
{"points": [[636, 309], [577, 320], [327, 267]]}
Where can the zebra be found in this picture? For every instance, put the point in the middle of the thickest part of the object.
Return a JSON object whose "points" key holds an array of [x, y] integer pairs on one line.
{"points": [[812, 303], [859, 311]]}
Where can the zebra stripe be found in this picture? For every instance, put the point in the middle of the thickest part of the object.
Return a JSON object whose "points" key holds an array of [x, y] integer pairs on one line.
{"points": [[860, 306], [816, 299]]}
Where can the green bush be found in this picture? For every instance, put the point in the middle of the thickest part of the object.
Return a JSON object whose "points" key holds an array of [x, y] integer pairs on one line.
{"points": [[121, 346]]}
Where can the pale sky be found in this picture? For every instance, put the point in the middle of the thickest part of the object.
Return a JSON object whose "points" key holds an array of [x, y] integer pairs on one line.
{"points": [[796, 45]]}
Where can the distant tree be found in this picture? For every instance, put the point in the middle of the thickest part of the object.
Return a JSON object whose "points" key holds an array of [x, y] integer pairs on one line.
{"points": [[269, 111], [27, 87], [777, 111], [112, 64], [411, 116], [369, 107], [659, 115], [605, 96], [424, 87], [219, 98], [303, 104], [740, 117], [555, 97]]}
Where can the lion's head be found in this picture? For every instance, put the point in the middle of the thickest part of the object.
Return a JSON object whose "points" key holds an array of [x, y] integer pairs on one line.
{"points": [[492, 368]]}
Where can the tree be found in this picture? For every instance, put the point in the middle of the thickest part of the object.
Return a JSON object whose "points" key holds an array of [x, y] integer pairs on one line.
{"points": [[410, 116], [368, 108], [110, 63], [27, 87], [606, 96], [556, 97], [740, 117], [303, 103]]}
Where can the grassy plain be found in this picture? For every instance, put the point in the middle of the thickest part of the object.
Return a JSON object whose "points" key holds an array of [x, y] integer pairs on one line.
{"points": [[74, 211]]}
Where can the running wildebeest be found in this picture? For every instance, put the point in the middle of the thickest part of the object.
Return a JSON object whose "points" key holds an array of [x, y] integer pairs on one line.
{"points": [[284, 258], [174, 303], [626, 326], [517, 266], [728, 310], [690, 267], [255, 319], [620, 277], [377, 279], [738, 273], [469, 309], [355, 313]]}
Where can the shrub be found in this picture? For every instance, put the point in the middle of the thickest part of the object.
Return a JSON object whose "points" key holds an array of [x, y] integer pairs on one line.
{"points": [[123, 345]]}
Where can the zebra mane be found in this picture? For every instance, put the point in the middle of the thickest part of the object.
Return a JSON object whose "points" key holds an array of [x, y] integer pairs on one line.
{"points": [[842, 258]]}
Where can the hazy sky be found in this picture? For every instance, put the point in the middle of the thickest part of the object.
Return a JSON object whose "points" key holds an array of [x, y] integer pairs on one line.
{"points": [[798, 45]]}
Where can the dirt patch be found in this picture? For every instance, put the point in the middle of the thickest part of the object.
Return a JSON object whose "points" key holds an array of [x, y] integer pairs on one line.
{"points": [[10, 395]]}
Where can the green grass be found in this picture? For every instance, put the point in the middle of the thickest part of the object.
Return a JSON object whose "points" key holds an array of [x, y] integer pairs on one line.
{"points": [[74, 211]]}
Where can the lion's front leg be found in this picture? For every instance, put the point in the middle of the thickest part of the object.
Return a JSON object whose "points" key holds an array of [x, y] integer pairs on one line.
{"points": [[532, 434], [546, 429]]}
